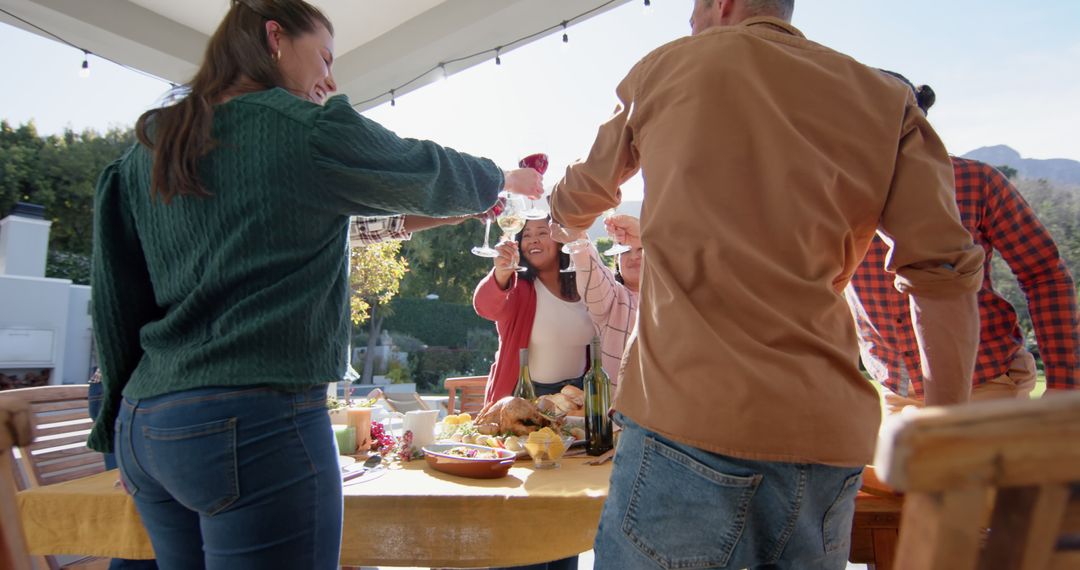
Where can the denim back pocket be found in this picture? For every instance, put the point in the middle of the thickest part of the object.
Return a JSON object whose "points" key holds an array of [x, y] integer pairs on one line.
{"points": [[836, 526], [196, 464], [683, 513]]}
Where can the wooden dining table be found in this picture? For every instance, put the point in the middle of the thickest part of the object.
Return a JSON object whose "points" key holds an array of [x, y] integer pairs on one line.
{"points": [[410, 515]]}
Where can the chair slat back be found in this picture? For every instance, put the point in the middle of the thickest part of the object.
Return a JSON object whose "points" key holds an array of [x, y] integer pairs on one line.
{"points": [[404, 401], [466, 394], [990, 485], [62, 424]]}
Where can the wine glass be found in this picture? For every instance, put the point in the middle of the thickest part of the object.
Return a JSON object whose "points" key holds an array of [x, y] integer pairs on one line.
{"points": [[617, 248], [534, 213], [539, 163], [486, 250], [571, 248], [512, 220]]}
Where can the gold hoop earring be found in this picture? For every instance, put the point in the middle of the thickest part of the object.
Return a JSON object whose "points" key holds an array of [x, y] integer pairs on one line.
{"points": [[277, 56]]}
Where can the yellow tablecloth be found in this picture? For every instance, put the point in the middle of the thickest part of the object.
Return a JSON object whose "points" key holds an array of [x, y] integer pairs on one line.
{"points": [[411, 516]]}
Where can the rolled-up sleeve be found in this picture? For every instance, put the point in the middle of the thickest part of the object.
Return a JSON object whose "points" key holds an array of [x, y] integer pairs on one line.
{"points": [[930, 251], [592, 186], [367, 231]]}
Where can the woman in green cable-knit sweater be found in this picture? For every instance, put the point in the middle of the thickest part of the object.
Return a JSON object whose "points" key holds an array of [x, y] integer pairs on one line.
{"points": [[220, 287]]}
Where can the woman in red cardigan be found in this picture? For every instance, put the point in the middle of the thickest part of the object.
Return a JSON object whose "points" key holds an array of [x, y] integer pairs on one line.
{"points": [[538, 309]]}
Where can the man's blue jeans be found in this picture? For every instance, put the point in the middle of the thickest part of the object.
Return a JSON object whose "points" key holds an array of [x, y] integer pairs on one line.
{"points": [[675, 506], [234, 478]]}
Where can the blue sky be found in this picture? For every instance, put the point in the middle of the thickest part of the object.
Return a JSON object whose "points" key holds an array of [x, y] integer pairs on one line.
{"points": [[1004, 72]]}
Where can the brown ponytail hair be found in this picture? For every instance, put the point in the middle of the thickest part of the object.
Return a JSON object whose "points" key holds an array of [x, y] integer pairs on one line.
{"points": [[179, 133]]}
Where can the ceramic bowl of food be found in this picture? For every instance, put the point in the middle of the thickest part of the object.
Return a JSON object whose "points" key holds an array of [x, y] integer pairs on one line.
{"points": [[468, 460]]}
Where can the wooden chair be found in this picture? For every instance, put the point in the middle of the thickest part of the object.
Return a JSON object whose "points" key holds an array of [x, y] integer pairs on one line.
{"points": [[15, 429], [472, 394], [58, 452], [1010, 466], [400, 402]]}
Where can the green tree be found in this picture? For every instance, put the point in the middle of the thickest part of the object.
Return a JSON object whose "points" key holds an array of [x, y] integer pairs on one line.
{"points": [[1058, 208], [440, 262], [375, 273], [1009, 172], [603, 244], [58, 172]]}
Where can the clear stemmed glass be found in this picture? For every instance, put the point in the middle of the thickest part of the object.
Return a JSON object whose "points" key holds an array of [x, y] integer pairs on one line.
{"points": [[486, 250], [571, 248], [534, 213], [617, 248], [512, 220]]}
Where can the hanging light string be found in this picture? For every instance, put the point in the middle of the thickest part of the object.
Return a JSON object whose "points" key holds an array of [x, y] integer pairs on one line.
{"points": [[391, 93], [85, 68], [497, 50]]}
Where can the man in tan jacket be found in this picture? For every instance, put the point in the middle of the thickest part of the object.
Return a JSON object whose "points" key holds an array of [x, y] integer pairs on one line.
{"points": [[770, 161]]}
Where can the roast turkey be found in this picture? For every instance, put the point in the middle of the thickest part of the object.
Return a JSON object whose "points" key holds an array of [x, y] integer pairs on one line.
{"points": [[511, 415]]}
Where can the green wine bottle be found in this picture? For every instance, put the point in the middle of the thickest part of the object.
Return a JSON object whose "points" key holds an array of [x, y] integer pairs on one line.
{"points": [[598, 429], [524, 388]]}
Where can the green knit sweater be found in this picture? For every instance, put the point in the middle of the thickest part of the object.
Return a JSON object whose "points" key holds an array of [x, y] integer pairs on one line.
{"points": [[249, 286]]}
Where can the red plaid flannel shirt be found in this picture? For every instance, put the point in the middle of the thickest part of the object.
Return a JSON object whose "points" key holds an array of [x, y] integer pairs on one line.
{"points": [[998, 219], [366, 231]]}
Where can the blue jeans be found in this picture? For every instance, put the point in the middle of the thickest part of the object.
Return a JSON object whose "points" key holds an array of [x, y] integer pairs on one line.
{"points": [[671, 505], [94, 406], [234, 478]]}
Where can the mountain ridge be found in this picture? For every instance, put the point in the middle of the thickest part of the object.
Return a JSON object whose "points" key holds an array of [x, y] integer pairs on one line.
{"points": [[1062, 170]]}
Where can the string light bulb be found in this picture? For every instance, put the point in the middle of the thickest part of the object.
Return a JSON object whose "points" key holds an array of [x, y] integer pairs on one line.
{"points": [[393, 101], [647, 8], [84, 71], [440, 70]]}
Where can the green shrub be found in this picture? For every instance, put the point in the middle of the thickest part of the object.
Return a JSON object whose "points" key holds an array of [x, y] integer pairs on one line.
{"points": [[398, 373], [432, 366], [482, 340], [434, 322], [66, 265], [406, 343]]}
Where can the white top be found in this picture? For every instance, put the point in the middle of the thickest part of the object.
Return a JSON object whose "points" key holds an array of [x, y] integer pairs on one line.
{"points": [[561, 332]]}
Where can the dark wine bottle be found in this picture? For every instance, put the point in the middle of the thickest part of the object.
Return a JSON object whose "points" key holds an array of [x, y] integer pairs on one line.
{"points": [[598, 434]]}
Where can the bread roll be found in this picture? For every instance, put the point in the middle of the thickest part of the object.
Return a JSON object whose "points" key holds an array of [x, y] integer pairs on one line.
{"points": [[577, 412], [563, 403], [574, 394]]}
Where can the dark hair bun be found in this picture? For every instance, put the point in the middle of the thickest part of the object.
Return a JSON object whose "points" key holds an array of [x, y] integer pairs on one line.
{"points": [[925, 97]]}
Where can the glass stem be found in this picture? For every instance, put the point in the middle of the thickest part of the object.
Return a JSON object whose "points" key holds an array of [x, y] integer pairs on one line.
{"points": [[487, 233]]}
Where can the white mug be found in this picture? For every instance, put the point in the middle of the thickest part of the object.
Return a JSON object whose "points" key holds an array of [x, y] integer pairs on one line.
{"points": [[422, 425]]}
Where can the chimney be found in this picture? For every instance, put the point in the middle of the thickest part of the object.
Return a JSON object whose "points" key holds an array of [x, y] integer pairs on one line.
{"points": [[24, 241]]}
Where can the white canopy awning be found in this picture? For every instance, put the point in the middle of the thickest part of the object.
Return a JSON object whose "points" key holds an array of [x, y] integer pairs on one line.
{"points": [[379, 44]]}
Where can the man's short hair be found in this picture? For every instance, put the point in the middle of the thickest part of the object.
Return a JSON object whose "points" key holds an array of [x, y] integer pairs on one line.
{"points": [[782, 9]]}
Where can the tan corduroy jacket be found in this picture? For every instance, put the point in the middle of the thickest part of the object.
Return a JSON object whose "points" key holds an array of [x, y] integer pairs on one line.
{"points": [[769, 163]]}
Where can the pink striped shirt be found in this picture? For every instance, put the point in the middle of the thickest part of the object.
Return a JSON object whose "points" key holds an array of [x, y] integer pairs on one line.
{"points": [[612, 307]]}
